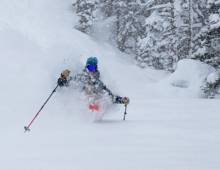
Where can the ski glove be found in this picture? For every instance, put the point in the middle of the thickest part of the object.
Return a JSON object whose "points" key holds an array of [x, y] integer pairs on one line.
{"points": [[65, 74], [121, 100], [125, 100], [63, 80]]}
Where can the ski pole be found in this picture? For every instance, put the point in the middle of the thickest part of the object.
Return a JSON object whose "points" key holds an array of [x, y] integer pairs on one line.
{"points": [[125, 112], [27, 128]]}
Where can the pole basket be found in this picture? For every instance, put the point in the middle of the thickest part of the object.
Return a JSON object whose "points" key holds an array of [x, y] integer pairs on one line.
{"points": [[26, 129]]}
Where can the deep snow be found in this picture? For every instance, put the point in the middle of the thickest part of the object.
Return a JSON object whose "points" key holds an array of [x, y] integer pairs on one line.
{"points": [[167, 127]]}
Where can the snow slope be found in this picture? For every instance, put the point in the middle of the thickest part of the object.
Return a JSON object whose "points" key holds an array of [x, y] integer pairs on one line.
{"points": [[166, 128]]}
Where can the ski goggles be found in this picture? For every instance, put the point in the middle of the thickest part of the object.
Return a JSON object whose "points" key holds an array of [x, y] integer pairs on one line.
{"points": [[92, 67]]}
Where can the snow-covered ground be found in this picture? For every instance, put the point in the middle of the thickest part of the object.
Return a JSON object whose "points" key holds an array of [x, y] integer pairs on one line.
{"points": [[167, 127]]}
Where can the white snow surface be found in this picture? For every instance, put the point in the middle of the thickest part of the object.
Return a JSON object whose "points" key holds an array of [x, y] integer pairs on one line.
{"points": [[167, 127]]}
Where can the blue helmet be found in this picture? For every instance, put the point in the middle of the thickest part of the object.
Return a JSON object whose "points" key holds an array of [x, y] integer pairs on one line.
{"points": [[92, 61]]}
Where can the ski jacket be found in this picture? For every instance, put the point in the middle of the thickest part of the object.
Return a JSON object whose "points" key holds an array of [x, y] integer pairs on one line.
{"points": [[91, 83]]}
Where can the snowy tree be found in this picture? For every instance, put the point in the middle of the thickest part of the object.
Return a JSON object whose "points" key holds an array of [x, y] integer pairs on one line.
{"points": [[158, 33], [184, 28], [85, 11], [211, 85], [157, 47], [210, 37], [108, 7], [127, 24], [213, 35], [199, 25]]}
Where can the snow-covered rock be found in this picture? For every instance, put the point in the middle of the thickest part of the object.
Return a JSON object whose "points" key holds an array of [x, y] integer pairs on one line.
{"points": [[190, 74]]}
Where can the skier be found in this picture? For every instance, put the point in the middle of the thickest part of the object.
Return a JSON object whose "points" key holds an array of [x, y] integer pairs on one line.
{"points": [[90, 82]]}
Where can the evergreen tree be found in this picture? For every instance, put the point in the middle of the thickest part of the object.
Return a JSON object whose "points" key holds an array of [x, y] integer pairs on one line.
{"points": [[211, 85], [210, 37], [108, 7], [184, 29], [85, 11], [127, 25], [157, 47], [200, 27], [213, 35], [158, 33]]}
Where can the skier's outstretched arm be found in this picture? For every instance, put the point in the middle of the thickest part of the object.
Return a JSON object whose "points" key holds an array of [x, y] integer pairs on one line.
{"points": [[116, 99]]}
